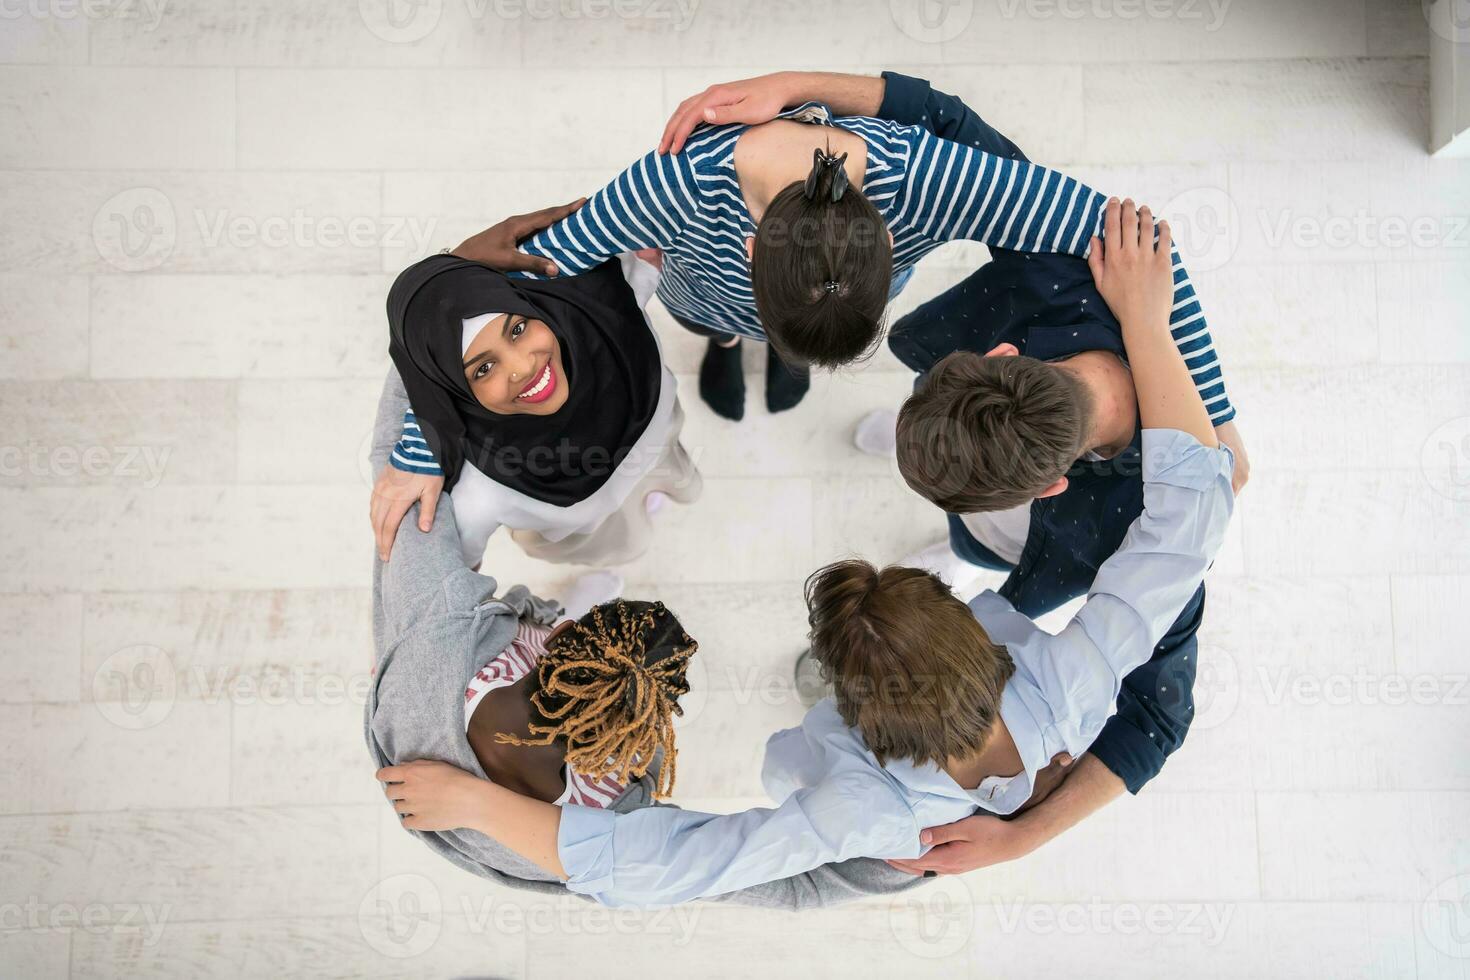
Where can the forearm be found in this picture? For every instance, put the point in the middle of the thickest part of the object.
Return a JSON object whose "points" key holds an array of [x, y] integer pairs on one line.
{"points": [[665, 855], [845, 95], [913, 101], [528, 827], [1088, 788], [646, 206], [1167, 396], [1191, 335]]}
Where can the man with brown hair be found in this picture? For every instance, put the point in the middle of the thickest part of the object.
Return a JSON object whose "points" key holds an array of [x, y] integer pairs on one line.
{"points": [[913, 670], [1044, 307], [1032, 331], [990, 433]]}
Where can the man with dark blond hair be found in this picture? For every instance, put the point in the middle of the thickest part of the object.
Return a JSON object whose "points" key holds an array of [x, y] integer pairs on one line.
{"points": [[984, 434]]}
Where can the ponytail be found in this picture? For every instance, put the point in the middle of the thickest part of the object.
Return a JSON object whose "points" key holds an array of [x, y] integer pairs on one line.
{"points": [[822, 268]]}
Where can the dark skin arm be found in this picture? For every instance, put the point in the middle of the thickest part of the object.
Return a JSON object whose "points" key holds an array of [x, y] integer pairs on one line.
{"points": [[496, 246]]}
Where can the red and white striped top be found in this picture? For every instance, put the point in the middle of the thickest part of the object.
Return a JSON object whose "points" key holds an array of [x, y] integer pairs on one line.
{"points": [[515, 662]]}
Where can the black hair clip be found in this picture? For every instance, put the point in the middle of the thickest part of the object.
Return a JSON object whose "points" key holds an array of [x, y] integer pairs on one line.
{"points": [[823, 161]]}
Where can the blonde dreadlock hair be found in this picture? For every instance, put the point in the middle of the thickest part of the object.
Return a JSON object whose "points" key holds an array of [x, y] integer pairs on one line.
{"points": [[610, 686]]}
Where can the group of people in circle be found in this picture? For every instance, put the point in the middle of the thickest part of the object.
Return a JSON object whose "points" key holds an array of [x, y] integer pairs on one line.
{"points": [[1070, 422]]}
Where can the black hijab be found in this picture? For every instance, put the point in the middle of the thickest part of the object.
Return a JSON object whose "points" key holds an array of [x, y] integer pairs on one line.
{"points": [[607, 349]]}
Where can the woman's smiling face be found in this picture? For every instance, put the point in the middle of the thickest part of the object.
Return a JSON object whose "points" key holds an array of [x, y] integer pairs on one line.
{"points": [[514, 367]]}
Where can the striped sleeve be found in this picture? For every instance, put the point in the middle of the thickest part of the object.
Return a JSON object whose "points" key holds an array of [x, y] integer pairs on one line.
{"points": [[953, 191], [646, 206], [412, 454]]}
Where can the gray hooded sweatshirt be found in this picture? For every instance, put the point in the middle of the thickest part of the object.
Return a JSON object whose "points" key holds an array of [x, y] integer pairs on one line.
{"points": [[436, 622]]}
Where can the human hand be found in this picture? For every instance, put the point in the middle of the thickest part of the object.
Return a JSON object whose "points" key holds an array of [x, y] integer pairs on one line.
{"points": [[1134, 275], [1230, 436], [748, 100], [974, 842], [393, 494], [496, 246], [434, 795]]}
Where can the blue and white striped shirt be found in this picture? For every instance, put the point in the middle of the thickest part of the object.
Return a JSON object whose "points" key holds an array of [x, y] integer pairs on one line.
{"points": [[412, 453], [929, 191]]}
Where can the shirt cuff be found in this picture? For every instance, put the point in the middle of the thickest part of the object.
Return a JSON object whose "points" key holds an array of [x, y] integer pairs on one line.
{"points": [[584, 843], [1178, 459], [905, 99], [1128, 754]]}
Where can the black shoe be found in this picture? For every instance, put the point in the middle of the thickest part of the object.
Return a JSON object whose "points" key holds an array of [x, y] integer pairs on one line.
{"points": [[785, 386], [722, 381]]}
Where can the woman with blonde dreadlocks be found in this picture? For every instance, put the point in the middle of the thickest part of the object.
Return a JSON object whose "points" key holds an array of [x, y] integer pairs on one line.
{"points": [[569, 702], [479, 688], [576, 713]]}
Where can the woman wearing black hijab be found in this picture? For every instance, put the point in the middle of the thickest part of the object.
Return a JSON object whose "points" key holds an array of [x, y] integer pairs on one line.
{"points": [[542, 405]]}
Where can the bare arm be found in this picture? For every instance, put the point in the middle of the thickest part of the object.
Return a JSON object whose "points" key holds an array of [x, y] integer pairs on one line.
{"points": [[1089, 787], [437, 796], [1135, 278], [756, 100]]}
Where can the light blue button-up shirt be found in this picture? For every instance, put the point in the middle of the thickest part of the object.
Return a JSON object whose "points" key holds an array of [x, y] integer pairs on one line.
{"points": [[837, 802]]}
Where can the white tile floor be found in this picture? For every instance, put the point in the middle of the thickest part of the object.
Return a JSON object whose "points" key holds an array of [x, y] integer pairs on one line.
{"points": [[203, 204]]}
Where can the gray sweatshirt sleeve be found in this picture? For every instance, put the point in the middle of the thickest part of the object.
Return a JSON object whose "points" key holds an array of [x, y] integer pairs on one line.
{"points": [[388, 426], [826, 886], [420, 561]]}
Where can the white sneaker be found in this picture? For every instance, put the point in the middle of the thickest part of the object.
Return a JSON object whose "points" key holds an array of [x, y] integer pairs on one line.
{"points": [[877, 433], [592, 589], [811, 686]]}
